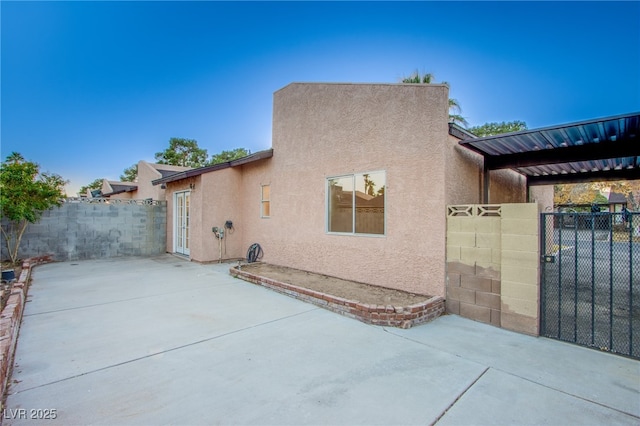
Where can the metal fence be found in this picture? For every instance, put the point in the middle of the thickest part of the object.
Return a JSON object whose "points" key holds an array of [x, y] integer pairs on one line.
{"points": [[590, 283]]}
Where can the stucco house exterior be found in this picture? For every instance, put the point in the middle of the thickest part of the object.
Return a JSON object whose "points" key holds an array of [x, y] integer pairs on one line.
{"points": [[356, 186]]}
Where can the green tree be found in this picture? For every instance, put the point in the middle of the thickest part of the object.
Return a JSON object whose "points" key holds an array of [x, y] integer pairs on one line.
{"points": [[455, 110], [491, 129], [96, 184], [629, 188], [226, 156], [590, 192], [183, 152], [577, 193], [25, 193], [130, 174]]}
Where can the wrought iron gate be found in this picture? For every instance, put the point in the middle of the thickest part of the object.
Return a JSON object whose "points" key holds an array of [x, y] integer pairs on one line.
{"points": [[590, 280]]}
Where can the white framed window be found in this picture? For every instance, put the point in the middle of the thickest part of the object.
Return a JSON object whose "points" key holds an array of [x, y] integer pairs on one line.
{"points": [[265, 209], [356, 203]]}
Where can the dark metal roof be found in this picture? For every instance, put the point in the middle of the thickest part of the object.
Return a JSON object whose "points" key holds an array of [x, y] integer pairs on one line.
{"points": [[599, 149], [260, 155]]}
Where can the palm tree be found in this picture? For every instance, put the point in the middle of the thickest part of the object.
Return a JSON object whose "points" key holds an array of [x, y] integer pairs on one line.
{"points": [[369, 185], [415, 78], [455, 113], [454, 107], [15, 158]]}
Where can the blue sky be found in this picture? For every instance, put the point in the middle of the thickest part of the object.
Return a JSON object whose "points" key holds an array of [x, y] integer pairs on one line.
{"points": [[89, 89]]}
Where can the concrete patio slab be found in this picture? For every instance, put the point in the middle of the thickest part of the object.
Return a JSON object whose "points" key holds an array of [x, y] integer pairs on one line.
{"points": [[502, 398], [316, 368], [165, 341], [608, 379]]}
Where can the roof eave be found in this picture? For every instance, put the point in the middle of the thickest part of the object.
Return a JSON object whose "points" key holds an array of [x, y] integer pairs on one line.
{"points": [[460, 132], [260, 155]]}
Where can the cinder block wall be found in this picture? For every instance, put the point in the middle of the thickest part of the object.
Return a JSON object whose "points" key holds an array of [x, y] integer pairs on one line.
{"points": [[520, 240], [493, 264], [78, 230], [473, 262]]}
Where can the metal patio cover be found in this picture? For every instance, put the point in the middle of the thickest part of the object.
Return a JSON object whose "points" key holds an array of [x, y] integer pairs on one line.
{"points": [[587, 151]]}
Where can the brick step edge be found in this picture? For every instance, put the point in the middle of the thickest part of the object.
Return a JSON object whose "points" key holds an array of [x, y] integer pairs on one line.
{"points": [[383, 315], [10, 319]]}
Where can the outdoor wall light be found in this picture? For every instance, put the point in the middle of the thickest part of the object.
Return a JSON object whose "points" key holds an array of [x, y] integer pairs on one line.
{"points": [[192, 186], [163, 186]]}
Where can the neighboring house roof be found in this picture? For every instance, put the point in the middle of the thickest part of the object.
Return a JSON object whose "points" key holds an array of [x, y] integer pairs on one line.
{"points": [[364, 196], [617, 198], [166, 173], [260, 155], [168, 169], [345, 199], [374, 202], [120, 187]]}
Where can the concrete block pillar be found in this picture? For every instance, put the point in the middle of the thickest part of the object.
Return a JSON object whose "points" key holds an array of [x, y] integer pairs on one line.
{"points": [[493, 264], [520, 271]]}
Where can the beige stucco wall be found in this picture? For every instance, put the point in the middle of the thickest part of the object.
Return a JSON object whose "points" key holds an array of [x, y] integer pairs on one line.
{"points": [[105, 188], [253, 227], [464, 179], [324, 130], [221, 201], [464, 174], [146, 174], [123, 196], [507, 186], [543, 195]]}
